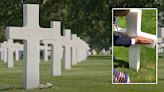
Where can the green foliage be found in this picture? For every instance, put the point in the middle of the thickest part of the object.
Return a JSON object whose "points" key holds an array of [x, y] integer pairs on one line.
{"points": [[89, 19]]}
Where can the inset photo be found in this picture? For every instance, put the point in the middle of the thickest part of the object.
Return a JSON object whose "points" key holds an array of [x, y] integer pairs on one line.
{"points": [[134, 57]]}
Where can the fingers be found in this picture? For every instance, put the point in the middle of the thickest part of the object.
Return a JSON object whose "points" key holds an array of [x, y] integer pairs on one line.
{"points": [[142, 40]]}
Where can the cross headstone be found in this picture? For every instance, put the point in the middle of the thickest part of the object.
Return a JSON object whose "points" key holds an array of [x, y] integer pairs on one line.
{"points": [[67, 49], [4, 51], [11, 47], [56, 49], [31, 33], [1, 52], [78, 52], [133, 20], [82, 50], [46, 50], [94, 52], [17, 54], [73, 49], [161, 40], [18, 48], [103, 51]]}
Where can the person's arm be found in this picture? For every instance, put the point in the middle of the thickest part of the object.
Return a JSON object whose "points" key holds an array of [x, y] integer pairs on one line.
{"points": [[124, 40]]}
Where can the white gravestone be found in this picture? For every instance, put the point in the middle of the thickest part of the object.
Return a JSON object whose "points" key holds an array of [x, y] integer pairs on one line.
{"points": [[31, 33], [18, 47], [17, 54], [56, 49], [4, 51], [67, 49], [73, 49], [161, 41], [11, 47], [67, 43], [82, 50], [94, 52], [78, 50], [133, 20], [46, 51], [1, 52], [134, 29], [103, 51], [86, 49]]}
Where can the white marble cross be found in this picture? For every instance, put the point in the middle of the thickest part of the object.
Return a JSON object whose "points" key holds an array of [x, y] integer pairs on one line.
{"points": [[161, 41], [1, 52], [73, 49], [18, 47], [56, 49], [134, 29], [133, 20], [82, 50], [4, 51], [58, 42], [67, 48], [46, 52], [10, 47], [85, 50], [45, 48], [31, 33]]}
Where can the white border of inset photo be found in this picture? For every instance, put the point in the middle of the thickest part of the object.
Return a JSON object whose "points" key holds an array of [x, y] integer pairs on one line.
{"points": [[141, 61]]}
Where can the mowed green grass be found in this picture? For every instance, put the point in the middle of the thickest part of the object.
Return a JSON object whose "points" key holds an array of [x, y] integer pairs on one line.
{"points": [[92, 75], [147, 72]]}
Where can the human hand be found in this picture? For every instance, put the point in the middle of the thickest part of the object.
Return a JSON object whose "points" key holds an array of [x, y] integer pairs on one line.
{"points": [[114, 26], [143, 40]]}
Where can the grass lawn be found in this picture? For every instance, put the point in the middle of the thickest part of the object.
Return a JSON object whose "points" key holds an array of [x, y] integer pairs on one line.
{"points": [[147, 72], [92, 75]]}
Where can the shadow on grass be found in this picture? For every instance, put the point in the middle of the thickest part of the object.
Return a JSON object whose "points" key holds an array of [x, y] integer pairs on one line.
{"points": [[11, 88], [160, 56], [100, 57], [161, 79], [120, 63]]}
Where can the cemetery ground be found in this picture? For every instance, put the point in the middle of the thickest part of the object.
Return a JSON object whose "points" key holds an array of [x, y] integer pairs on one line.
{"points": [[147, 71], [94, 74], [91, 75]]}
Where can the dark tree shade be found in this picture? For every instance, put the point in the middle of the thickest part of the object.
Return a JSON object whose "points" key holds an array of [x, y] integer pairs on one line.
{"points": [[89, 19]]}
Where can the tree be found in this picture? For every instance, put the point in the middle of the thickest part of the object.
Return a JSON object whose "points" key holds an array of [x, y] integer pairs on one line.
{"points": [[89, 19]]}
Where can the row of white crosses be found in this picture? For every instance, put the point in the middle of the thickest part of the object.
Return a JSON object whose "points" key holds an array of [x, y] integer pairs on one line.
{"points": [[133, 20], [9, 46], [46, 51], [160, 34], [31, 33], [71, 44], [7, 49], [161, 41]]}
